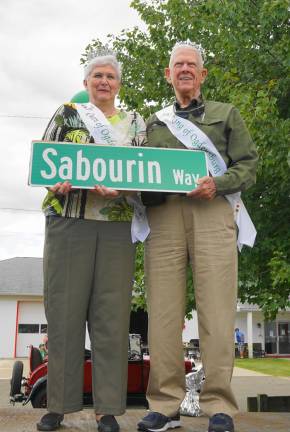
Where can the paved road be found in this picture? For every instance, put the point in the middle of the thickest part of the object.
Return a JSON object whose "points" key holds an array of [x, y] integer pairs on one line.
{"points": [[243, 387], [245, 383]]}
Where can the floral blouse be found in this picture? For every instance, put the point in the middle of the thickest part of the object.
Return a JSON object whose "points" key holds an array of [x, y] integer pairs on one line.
{"points": [[67, 126]]}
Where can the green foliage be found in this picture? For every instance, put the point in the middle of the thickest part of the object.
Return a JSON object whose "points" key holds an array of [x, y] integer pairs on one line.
{"points": [[139, 294], [190, 298], [247, 46]]}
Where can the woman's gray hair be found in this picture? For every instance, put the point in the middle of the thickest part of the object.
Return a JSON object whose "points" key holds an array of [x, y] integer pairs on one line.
{"points": [[103, 61], [188, 44]]}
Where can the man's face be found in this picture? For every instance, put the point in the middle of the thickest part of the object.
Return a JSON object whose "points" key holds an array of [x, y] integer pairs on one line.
{"points": [[186, 74]]}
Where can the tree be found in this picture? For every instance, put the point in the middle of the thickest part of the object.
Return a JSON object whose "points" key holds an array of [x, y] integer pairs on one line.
{"points": [[246, 42]]}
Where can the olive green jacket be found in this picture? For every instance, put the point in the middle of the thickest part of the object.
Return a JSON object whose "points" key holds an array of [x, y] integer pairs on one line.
{"points": [[223, 124]]}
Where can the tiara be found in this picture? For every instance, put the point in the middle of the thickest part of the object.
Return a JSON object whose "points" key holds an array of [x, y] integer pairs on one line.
{"points": [[188, 43], [100, 51]]}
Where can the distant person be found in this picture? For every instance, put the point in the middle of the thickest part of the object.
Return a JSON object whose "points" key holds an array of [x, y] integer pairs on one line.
{"points": [[89, 259], [240, 339]]}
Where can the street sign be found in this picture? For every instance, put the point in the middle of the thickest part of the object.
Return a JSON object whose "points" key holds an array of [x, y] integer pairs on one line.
{"points": [[117, 167]]}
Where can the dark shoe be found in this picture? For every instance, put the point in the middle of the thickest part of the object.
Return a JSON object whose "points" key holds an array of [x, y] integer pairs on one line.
{"points": [[221, 423], [50, 422], [108, 423], [157, 422]]}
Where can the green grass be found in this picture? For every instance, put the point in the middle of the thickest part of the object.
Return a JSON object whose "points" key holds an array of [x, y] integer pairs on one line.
{"points": [[275, 367]]}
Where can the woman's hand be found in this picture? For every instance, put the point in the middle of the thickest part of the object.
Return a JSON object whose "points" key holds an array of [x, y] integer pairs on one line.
{"points": [[105, 191], [61, 188]]}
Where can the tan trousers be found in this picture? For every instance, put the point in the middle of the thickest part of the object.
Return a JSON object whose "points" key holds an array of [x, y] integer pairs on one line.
{"points": [[203, 232], [88, 273]]}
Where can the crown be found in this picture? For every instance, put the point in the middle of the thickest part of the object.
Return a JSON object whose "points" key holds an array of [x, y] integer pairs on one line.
{"points": [[188, 43], [100, 51]]}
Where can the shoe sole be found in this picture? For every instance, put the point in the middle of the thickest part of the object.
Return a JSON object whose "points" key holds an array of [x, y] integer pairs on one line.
{"points": [[40, 427], [221, 430], [173, 424], [107, 428], [102, 429]]}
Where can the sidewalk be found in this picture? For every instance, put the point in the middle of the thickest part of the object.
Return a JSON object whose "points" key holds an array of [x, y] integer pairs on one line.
{"points": [[241, 372], [24, 420]]}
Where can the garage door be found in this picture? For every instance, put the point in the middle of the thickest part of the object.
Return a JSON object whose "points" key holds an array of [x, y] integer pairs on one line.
{"points": [[31, 326]]}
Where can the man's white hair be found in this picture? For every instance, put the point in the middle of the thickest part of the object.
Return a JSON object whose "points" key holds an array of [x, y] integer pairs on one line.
{"points": [[191, 45]]}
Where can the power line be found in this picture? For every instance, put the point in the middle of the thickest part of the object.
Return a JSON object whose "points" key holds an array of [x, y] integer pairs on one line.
{"points": [[20, 209], [29, 233], [23, 116]]}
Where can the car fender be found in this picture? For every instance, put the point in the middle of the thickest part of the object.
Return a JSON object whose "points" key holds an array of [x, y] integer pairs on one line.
{"points": [[39, 383]]}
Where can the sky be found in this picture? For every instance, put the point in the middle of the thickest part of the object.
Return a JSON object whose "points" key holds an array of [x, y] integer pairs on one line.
{"points": [[40, 49]]}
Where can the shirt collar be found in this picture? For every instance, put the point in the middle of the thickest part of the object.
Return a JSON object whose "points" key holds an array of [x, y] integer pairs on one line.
{"points": [[195, 107]]}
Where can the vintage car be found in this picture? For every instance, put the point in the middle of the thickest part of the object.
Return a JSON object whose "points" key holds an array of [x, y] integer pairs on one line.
{"points": [[33, 387]]}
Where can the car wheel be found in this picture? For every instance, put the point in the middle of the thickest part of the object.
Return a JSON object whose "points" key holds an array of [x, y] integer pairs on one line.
{"points": [[39, 400], [15, 382]]}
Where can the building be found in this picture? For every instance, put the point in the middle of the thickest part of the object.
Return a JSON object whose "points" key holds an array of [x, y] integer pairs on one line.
{"points": [[271, 337], [22, 318]]}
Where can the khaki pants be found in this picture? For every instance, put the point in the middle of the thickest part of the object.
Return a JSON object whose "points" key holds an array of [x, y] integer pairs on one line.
{"points": [[88, 272], [203, 232]]}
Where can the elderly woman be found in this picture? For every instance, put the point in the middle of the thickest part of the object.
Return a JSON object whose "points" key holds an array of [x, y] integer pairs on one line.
{"points": [[89, 260]]}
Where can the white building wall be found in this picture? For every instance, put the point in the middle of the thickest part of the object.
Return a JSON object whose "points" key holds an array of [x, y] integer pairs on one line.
{"points": [[190, 330], [30, 312], [8, 311]]}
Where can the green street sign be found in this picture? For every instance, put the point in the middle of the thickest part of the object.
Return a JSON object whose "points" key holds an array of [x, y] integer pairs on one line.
{"points": [[123, 168]]}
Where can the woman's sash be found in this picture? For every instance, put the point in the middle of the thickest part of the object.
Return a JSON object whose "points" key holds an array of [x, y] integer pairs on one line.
{"points": [[194, 138], [103, 133], [97, 124]]}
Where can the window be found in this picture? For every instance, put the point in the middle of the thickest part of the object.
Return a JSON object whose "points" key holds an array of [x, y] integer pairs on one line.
{"points": [[28, 328], [43, 328]]}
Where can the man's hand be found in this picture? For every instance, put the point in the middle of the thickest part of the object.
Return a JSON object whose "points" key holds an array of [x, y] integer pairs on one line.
{"points": [[205, 190], [105, 191], [61, 188]]}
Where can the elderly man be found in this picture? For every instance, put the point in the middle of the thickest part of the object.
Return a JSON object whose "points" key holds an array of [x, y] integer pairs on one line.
{"points": [[199, 228]]}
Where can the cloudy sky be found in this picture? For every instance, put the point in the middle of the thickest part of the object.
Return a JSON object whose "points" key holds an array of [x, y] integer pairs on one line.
{"points": [[40, 47]]}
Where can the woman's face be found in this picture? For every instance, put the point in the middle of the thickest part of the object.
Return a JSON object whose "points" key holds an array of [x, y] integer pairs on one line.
{"points": [[102, 84]]}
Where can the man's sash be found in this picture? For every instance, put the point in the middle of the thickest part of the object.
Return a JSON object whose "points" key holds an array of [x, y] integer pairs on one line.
{"points": [[103, 133], [194, 138]]}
